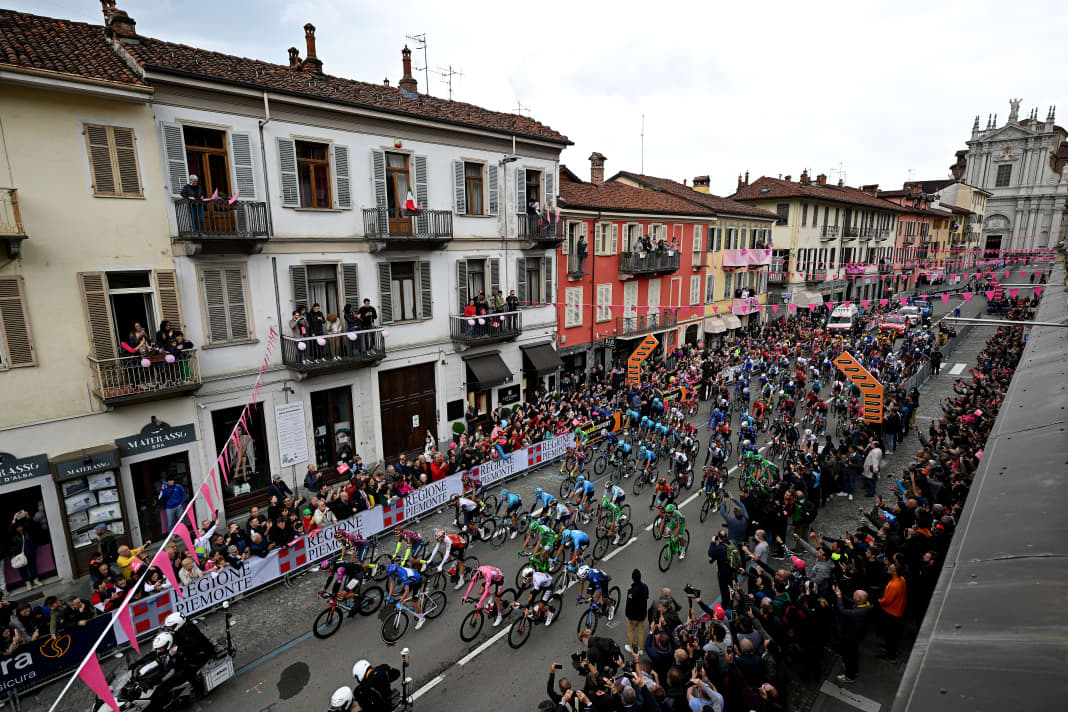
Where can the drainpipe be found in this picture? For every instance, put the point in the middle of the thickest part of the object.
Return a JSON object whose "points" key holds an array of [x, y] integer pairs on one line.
{"points": [[263, 160]]}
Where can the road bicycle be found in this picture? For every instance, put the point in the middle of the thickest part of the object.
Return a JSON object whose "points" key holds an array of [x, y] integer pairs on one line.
{"points": [[603, 516], [593, 613], [505, 530], [624, 530], [713, 501], [642, 479], [520, 630], [438, 580], [367, 602], [569, 573], [396, 623], [544, 565], [676, 546], [472, 623]]}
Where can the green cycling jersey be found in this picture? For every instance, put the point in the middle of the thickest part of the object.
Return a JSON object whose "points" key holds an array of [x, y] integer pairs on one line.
{"points": [[610, 506]]}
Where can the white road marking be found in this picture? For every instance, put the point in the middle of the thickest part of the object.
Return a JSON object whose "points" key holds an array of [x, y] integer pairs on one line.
{"points": [[849, 697], [957, 369], [619, 548], [427, 687], [471, 656]]}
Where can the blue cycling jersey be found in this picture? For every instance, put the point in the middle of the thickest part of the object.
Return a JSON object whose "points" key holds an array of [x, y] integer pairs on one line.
{"points": [[647, 454], [408, 577], [598, 577], [662, 429], [575, 536], [632, 414], [586, 488], [544, 498], [625, 448], [513, 500]]}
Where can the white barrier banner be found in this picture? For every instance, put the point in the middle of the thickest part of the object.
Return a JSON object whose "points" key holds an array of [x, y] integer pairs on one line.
{"points": [[494, 470]]}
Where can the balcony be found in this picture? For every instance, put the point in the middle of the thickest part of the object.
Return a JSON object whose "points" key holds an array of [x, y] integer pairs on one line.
{"points": [[816, 277], [140, 379], [541, 233], [390, 228], [746, 258], [745, 305], [883, 234], [315, 355], [11, 231], [885, 268], [778, 273], [828, 233], [655, 262], [217, 227], [644, 324], [488, 329], [850, 233]]}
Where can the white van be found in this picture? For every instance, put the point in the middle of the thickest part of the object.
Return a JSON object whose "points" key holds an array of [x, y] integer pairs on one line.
{"points": [[843, 317]]}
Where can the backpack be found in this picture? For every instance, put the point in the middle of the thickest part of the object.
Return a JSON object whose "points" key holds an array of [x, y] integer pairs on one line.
{"points": [[734, 556], [809, 510]]}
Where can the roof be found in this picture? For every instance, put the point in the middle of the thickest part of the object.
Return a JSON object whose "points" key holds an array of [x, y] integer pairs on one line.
{"points": [[706, 200], [956, 209], [930, 186], [625, 199], [169, 57], [778, 188], [906, 194], [74, 48]]}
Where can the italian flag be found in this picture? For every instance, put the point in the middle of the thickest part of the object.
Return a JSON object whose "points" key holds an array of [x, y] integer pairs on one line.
{"points": [[409, 202]]}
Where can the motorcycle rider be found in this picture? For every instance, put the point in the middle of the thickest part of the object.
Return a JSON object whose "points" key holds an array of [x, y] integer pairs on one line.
{"points": [[194, 650], [341, 700], [373, 689]]}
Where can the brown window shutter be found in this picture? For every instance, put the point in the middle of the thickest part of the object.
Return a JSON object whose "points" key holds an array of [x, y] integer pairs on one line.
{"points": [[98, 321], [15, 323], [126, 161], [99, 147], [170, 308]]}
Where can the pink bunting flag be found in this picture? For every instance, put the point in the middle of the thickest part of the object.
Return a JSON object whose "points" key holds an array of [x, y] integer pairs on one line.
{"points": [[883, 302], [126, 621], [1013, 293], [93, 676], [1007, 274], [967, 297], [715, 309], [161, 561], [1038, 291], [234, 197], [223, 466], [847, 304], [989, 294], [183, 533], [811, 305], [865, 302], [206, 491], [945, 299], [792, 307], [903, 301], [192, 516], [775, 308]]}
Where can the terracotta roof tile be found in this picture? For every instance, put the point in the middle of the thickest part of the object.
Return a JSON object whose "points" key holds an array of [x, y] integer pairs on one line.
{"points": [[75, 48], [777, 188], [166, 57], [624, 198], [706, 200]]}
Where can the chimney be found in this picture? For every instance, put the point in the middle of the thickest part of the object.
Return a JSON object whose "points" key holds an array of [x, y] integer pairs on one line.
{"points": [[294, 57], [841, 182], [311, 62], [740, 183], [747, 177], [408, 81], [118, 25], [385, 82], [871, 188], [821, 179], [108, 7], [597, 168], [701, 184], [804, 177], [787, 177]]}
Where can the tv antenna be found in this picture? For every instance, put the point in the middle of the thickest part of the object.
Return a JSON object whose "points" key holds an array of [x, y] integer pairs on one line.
{"points": [[420, 40], [912, 174], [519, 108], [841, 173], [447, 74]]}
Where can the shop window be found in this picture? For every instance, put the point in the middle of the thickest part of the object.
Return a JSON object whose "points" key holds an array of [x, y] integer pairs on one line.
{"points": [[147, 478], [250, 468], [332, 425], [30, 501]]}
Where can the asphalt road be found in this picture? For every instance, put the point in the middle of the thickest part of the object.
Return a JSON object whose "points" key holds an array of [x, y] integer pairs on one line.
{"points": [[282, 667]]}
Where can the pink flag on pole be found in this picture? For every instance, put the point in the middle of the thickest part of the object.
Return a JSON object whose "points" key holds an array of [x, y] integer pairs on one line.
{"points": [[163, 563], [793, 307], [126, 621], [183, 531], [1024, 273], [967, 297], [1038, 291], [1013, 293], [989, 294], [945, 299], [93, 676], [206, 491]]}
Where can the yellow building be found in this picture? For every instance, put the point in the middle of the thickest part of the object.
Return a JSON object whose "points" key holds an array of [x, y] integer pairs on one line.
{"points": [[86, 435]]}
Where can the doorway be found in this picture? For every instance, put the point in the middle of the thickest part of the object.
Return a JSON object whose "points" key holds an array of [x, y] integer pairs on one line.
{"points": [[248, 459], [408, 405], [993, 245], [207, 156], [29, 499], [397, 187], [147, 477]]}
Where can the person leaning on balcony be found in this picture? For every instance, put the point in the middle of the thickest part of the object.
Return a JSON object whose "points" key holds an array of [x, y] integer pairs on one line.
{"points": [[367, 316], [582, 251], [165, 334], [193, 192], [333, 333]]}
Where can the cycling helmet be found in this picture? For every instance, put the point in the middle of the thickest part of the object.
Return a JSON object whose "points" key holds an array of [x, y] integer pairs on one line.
{"points": [[527, 572], [579, 480], [537, 492], [341, 699], [392, 570], [439, 533], [663, 480], [163, 641], [454, 498], [360, 670], [174, 621], [745, 443], [583, 572], [671, 509], [328, 564], [533, 526], [505, 493]]}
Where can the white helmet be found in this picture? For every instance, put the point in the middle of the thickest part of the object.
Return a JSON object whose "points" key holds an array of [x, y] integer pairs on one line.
{"points": [[527, 572], [583, 572], [808, 431], [341, 699], [163, 641], [174, 621], [360, 670]]}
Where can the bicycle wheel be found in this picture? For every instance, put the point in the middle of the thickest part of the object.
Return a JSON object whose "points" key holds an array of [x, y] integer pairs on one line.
{"points": [[706, 507], [491, 503], [666, 554], [614, 598], [508, 597], [327, 622], [523, 520], [600, 464], [639, 484], [615, 476], [519, 577], [687, 481], [658, 527], [519, 632], [566, 485], [555, 565], [500, 536], [382, 562], [370, 600], [438, 581], [626, 532], [434, 604], [556, 605], [472, 625], [588, 619], [624, 511], [487, 528], [601, 547], [394, 626], [470, 564]]}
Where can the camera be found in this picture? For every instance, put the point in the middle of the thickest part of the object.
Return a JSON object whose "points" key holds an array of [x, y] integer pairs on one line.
{"points": [[578, 661], [691, 591]]}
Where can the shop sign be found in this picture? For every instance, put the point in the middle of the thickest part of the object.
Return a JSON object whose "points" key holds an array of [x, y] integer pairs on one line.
{"points": [[292, 435], [151, 439], [509, 395], [87, 465], [14, 469]]}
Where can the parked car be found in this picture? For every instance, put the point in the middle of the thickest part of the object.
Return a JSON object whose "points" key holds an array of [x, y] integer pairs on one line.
{"points": [[897, 323], [924, 305], [913, 314]]}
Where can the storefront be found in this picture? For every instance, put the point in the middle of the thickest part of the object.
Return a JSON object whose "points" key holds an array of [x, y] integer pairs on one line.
{"points": [[22, 490], [151, 457], [539, 361], [247, 456]]}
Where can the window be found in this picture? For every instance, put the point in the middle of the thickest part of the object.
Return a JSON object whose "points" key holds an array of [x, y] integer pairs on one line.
{"points": [[695, 289], [698, 238], [113, 161], [473, 188], [728, 284], [402, 284], [762, 284], [836, 218], [16, 340], [224, 304], [605, 239], [783, 209], [332, 425], [313, 174], [534, 280], [397, 182], [653, 296], [1004, 176], [719, 238], [573, 310], [533, 183], [804, 214], [604, 302], [631, 234], [815, 215], [405, 291], [742, 239], [132, 306], [826, 213], [710, 288]]}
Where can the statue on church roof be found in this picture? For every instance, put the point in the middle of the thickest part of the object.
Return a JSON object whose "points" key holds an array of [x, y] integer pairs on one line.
{"points": [[1014, 110]]}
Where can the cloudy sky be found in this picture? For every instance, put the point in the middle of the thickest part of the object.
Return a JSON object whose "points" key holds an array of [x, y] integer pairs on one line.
{"points": [[886, 91]]}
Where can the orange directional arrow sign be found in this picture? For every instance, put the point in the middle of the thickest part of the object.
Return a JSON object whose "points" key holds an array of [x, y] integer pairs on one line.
{"points": [[871, 407], [634, 363]]}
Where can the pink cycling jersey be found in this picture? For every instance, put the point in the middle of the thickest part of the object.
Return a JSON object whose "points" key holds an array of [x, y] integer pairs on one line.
{"points": [[409, 536], [491, 575], [355, 539]]}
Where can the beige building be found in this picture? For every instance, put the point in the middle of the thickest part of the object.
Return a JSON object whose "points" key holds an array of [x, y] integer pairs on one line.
{"points": [[87, 255]]}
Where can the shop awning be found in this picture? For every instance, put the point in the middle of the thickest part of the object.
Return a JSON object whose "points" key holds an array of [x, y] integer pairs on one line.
{"points": [[486, 371], [714, 325], [542, 358], [732, 321], [804, 297]]}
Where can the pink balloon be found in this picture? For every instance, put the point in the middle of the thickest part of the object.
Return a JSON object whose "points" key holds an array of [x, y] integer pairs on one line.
{"points": [[352, 336], [385, 333], [482, 321], [470, 322], [169, 358], [301, 345], [145, 363]]}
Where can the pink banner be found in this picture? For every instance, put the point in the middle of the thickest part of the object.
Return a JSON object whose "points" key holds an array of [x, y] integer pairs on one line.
{"points": [[163, 563], [206, 491], [93, 676], [183, 531], [126, 621]]}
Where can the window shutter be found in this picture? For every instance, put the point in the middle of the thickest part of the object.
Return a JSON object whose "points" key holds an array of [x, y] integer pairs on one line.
{"points": [[218, 314], [298, 275], [97, 306], [422, 195], [710, 289], [521, 279], [126, 160], [613, 246], [235, 303], [547, 297], [550, 187], [462, 297], [598, 239], [520, 191], [491, 182], [697, 238], [343, 197], [174, 149], [459, 188], [170, 307], [564, 246], [350, 285], [385, 292], [654, 296], [495, 277], [695, 289], [287, 168], [719, 238], [244, 170], [15, 324], [426, 293], [378, 175], [100, 160]]}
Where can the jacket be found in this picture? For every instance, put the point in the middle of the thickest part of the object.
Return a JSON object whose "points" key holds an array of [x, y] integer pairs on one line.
{"points": [[172, 497], [852, 619], [736, 528], [637, 601], [893, 600]]}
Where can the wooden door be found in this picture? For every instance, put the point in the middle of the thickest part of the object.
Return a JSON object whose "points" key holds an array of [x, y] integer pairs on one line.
{"points": [[397, 187], [408, 404]]}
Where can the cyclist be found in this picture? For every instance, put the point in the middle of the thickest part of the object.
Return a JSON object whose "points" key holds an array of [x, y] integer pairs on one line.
{"points": [[714, 418], [411, 581], [680, 462], [513, 503], [354, 540], [712, 479], [473, 487], [561, 515], [492, 580], [613, 509], [543, 501], [466, 511], [747, 447], [415, 544], [599, 581], [715, 453], [577, 539], [546, 538], [614, 493], [632, 418], [661, 493], [620, 454], [455, 546], [645, 460], [675, 524], [345, 576], [541, 589], [583, 494]]}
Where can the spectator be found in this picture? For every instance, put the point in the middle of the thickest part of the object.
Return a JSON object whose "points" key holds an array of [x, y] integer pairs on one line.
{"points": [[189, 572], [126, 558], [637, 604], [278, 488], [22, 548], [172, 500], [193, 193], [581, 253], [892, 605], [852, 617]]}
